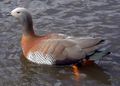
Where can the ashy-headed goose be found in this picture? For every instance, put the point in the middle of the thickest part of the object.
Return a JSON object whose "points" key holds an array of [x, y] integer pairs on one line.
{"points": [[53, 48]]}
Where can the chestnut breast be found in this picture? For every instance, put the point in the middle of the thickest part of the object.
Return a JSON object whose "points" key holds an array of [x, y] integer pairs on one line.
{"points": [[29, 42]]}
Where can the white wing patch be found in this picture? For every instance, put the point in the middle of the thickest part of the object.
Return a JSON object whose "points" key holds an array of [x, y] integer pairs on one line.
{"points": [[40, 58]]}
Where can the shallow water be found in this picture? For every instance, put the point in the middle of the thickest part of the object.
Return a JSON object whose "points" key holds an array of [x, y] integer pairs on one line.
{"points": [[72, 17]]}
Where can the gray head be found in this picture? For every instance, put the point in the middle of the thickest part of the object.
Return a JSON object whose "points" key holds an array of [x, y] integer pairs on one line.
{"points": [[19, 12], [24, 17], [22, 14]]}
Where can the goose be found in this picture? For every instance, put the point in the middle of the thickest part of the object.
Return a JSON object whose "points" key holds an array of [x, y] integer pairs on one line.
{"points": [[54, 48]]}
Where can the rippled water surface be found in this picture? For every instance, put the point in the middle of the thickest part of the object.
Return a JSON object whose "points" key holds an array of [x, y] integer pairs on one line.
{"points": [[71, 17]]}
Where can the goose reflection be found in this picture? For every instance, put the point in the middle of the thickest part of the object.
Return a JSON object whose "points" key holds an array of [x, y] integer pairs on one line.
{"points": [[62, 75]]}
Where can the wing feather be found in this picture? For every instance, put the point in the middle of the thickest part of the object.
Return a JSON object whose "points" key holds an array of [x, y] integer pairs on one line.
{"points": [[60, 48], [86, 42], [40, 58]]}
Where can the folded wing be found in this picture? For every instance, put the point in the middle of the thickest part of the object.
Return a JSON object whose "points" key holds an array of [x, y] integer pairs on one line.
{"points": [[60, 49]]}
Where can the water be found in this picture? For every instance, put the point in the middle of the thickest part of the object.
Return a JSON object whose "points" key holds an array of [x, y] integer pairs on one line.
{"points": [[71, 17]]}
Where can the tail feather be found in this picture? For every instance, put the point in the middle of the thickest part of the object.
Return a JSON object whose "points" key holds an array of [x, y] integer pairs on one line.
{"points": [[99, 55], [93, 49], [97, 52]]}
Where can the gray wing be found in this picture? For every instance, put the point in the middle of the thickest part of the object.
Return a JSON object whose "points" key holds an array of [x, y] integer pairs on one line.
{"points": [[63, 48]]}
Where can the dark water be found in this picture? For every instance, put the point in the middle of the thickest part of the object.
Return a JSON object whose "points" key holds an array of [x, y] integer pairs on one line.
{"points": [[72, 17]]}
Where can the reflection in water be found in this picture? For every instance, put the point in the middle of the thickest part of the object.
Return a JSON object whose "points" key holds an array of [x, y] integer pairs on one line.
{"points": [[46, 75], [95, 72], [76, 72]]}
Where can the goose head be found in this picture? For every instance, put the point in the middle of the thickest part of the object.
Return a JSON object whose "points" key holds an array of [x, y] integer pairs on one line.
{"points": [[23, 15], [19, 12]]}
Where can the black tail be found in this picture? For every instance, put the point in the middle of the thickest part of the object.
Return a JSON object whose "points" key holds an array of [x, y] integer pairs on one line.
{"points": [[97, 55]]}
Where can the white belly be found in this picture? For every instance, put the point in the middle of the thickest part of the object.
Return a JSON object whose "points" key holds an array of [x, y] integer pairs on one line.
{"points": [[40, 58]]}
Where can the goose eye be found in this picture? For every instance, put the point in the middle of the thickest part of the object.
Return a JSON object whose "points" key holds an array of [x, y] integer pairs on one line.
{"points": [[18, 12]]}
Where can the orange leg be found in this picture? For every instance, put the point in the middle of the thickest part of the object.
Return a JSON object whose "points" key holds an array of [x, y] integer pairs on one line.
{"points": [[88, 62], [76, 72]]}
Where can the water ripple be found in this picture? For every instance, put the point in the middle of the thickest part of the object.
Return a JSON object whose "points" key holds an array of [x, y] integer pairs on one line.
{"points": [[72, 17]]}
